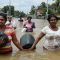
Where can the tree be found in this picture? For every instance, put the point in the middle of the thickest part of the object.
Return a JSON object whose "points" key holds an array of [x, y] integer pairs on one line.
{"points": [[19, 14], [32, 12], [12, 10], [43, 5], [58, 10], [16, 13], [56, 7], [5, 9], [8, 8], [22, 14], [42, 8], [53, 7], [57, 3]]}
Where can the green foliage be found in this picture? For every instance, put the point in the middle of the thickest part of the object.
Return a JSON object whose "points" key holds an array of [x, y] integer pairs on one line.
{"points": [[5, 9], [50, 11], [8, 8], [19, 14], [11, 11], [22, 14], [32, 12], [43, 5], [58, 9], [16, 13], [53, 8]]}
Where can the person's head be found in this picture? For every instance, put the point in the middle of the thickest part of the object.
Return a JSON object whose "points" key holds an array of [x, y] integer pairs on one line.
{"points": [[29, 18], [3, 18], [52, 19], [9, 18]]}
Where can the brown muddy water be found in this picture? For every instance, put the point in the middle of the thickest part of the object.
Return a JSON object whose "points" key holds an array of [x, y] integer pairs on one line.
{"points": [[39, 53]]}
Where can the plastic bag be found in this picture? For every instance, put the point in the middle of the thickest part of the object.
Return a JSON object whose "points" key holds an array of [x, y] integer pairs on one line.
{"points": [[23, 30]]}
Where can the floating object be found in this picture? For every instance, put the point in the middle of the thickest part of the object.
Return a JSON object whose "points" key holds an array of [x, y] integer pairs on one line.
{"points": [[3, 39], [7, 23], [23, 30], [27, 41]]}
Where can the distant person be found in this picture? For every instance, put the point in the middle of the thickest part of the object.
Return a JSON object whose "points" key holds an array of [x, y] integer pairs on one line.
{"points": [[25, 21], [51, 33], [21, 19], [8, 23], [10, 32], [14, 24], [11, 22], [29, 25]]}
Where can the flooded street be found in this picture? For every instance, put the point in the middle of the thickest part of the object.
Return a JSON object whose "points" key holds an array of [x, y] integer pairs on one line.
{"points": [[39, 53]]}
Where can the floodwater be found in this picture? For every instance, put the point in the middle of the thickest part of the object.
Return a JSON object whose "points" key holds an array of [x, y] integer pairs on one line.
{"points": [[38, 53]]}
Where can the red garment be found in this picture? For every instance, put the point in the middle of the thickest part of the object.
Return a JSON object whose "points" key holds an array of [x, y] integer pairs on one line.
{"points": [[9, 32]]}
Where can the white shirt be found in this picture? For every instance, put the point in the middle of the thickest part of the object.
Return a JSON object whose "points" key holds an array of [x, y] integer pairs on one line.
{"points": [[52, 38], [13, 23]]}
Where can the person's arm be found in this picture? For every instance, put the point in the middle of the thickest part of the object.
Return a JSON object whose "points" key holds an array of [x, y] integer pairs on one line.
{"points": [[37, 40], [24, 23], [14, 24], [24, 26], [33, 26], [15, 41]]}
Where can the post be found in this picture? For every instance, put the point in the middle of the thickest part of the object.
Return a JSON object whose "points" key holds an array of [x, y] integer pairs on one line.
{"points": [[9, 7], [47, 9], [0, 7]]}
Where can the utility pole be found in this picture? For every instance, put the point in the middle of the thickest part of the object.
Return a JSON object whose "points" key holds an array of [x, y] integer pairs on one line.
{"points": [[9, 7], [0, 7], [47, 10]]}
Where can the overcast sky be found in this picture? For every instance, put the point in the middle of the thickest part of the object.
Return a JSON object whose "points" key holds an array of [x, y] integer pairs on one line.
{"points": [[23, 5]]}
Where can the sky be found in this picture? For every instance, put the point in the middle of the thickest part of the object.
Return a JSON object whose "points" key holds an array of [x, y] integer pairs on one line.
{"points": [[23, 5]]}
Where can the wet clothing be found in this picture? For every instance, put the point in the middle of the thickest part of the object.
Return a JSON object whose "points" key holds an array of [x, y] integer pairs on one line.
{"points": [[52, 38], [29, 26], [12, 23], [24, 22], [9, 31]]}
